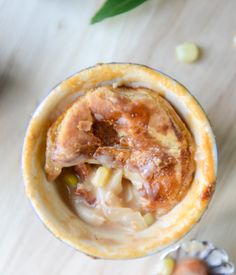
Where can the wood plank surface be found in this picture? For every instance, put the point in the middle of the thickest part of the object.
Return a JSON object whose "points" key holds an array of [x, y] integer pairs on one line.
{"points": [[44, 41]]}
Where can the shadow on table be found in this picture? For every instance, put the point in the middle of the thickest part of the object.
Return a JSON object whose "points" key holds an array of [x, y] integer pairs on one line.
{"points": [[6, 80], [222, 115], [219, 226]]}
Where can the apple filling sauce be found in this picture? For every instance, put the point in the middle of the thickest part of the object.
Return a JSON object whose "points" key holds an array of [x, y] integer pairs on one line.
{"points": [[125, 155]]}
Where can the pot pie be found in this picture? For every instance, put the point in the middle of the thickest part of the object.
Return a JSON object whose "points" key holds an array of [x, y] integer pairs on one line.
{"points": [[119, 161]]}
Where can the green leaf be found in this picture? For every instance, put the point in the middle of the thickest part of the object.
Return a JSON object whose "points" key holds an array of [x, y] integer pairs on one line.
{"points": [[114, 7]]}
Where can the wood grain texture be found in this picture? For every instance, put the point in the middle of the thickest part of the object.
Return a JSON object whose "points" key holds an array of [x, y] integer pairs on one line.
{"points": [[44, 41]]}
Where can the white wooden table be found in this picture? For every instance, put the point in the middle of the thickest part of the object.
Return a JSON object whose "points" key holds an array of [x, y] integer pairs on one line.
{"points": [[44, 41]]}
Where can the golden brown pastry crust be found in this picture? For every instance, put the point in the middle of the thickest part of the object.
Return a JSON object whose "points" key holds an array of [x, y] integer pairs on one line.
{"points": [[67, 226], [130, 128]]}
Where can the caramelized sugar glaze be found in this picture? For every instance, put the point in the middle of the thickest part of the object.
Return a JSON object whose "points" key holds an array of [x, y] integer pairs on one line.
{"points": [[133, 129]]}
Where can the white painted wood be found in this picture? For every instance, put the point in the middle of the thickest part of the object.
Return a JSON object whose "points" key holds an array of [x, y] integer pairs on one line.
{"points": [[44, 41]]}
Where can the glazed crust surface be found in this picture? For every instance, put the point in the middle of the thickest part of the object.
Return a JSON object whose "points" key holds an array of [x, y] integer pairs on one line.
{"points": [[128, 128], [168, 228]]}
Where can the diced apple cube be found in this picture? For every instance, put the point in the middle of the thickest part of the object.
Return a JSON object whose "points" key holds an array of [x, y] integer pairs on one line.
{"points": [[149, 219], [101, 177], [115, 182]]}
